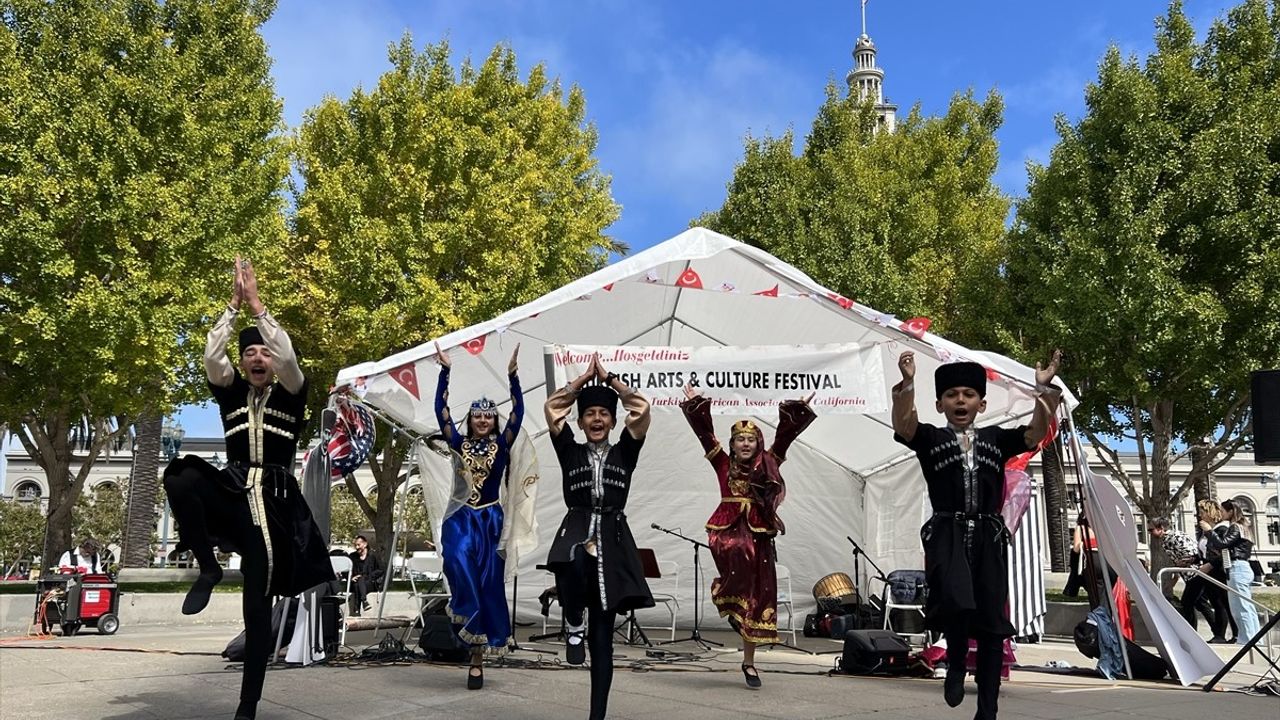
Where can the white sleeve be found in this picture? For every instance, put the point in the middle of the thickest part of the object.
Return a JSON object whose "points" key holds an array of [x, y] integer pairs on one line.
{"points": [[281, 347], [216, 365]]}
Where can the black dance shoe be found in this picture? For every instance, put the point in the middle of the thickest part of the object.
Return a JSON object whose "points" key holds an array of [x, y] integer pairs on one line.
{"points": [[753, 677], [953, 686], [575, 653], [475, 677], [198, 596]]}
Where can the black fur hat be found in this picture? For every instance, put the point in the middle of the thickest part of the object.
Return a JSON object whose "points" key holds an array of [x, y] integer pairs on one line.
{"points": [[598, 396], [960, 374], [250, 336]]}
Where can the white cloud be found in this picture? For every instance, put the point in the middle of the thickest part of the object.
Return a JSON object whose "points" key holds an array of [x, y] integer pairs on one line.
{"points": [[700, 105]]}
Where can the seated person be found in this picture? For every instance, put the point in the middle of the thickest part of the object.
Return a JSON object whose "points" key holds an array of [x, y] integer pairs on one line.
{"points": [[84, 559], [366, 576]]}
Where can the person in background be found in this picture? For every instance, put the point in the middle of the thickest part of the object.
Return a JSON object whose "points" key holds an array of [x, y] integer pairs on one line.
{"points": [[366, 575], [1183, 552], [1209, 515], [1231, 538], [84, 559], [1075, 580]]}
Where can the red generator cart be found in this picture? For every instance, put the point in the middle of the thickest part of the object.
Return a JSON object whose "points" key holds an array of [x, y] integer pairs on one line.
{"points": [[72, 601]]}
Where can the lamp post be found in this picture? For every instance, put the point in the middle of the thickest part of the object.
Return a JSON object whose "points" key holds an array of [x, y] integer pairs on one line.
{"points": [[171, 434]]}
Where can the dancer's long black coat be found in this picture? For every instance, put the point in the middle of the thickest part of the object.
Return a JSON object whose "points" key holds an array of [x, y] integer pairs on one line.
{"points": [[624, 587], [966, 585]]}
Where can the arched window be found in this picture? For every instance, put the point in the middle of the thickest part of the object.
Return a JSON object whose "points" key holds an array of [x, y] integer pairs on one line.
{"points": [[1273, 521], [1245, 503], [27, 491]]}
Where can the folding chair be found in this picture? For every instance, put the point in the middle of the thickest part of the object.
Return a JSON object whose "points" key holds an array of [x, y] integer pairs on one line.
{"points": [[428, 569], [342, 564], [904, 590], [666, 591], [784, 600]]}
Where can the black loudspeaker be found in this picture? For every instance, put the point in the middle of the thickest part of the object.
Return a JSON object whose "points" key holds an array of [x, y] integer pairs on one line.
{"points": [[1266, 416], [439, 642], [868, 652]]}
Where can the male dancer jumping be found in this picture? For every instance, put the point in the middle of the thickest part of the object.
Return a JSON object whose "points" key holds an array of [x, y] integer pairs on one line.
{"points": [[594, 556], [966, 542], [253, 506]]}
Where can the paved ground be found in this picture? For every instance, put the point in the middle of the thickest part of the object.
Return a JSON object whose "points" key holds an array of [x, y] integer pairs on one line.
{"points": [[175, 672]]}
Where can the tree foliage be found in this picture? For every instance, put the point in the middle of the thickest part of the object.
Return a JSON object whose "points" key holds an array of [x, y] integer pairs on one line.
{"points": [[908, 222], [1149, 246], [99, 514], [21, 531], [139, 151], [438, 199]]}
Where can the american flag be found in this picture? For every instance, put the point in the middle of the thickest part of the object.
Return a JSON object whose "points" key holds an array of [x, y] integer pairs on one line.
{"points": [[352, 439]]}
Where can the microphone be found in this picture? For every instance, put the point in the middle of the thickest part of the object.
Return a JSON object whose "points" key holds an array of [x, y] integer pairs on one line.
{"points": [[655, 526]]}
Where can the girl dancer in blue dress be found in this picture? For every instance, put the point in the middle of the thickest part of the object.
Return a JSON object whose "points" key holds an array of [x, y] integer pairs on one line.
{"points": [[472, 530]]}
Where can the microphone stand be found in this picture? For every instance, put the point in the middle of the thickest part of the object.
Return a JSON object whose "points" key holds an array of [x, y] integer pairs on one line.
{"points": [[696, 635], [857, 580]]}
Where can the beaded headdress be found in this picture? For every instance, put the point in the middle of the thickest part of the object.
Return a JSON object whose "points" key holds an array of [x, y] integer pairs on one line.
{"points": [[484, 406]]}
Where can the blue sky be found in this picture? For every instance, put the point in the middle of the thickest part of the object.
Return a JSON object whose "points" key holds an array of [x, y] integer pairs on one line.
{"points": [[673, 87]]}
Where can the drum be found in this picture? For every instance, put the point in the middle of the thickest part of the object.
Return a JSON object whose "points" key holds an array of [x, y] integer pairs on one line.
{"points": [[836, 586]]}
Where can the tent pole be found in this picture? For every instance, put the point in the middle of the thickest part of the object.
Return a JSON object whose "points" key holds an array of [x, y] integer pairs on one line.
{"points": [[1106, 570]]}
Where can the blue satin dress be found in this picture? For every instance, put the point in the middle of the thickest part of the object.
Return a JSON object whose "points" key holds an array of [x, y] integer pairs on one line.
{"points": [[469, 537]]}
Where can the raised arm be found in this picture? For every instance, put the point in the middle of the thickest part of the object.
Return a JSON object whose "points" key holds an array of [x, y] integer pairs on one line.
{"points": [[282, 354], [443, 417], [556, 410], [636, 423], [517, 401], [793, 417], [905, 420], [697, 411], [273, 336], [217, 366], [1048, 397]]}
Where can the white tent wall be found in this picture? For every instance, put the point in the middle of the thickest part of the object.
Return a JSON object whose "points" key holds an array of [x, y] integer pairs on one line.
{"points": [[845, 476]]}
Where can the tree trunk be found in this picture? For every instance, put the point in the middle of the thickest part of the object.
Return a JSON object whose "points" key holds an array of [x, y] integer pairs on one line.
{"points": [[144, 480], [1057, 518], [48, 442], [388, 478], [1205, 485]]}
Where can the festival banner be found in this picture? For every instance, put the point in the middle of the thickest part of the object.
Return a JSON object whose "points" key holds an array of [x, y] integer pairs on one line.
{"points": [[845, 379]]}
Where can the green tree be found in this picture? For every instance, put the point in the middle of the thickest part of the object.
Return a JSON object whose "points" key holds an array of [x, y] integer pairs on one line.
{"points": [[99, 514], [21, 530], [139, 151], [438, 199], [908, 222], [1149, 247]]}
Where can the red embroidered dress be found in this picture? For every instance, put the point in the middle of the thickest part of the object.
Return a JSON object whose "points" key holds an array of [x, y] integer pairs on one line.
{"points": [[742, 528]]}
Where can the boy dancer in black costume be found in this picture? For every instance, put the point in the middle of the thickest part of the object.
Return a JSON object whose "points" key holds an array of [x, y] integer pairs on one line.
{"points": [[966, 542], [253, 506], [594, 557]]}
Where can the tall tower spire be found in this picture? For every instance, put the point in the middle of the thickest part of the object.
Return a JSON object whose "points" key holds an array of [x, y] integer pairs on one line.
{"points": [[867, 80]]}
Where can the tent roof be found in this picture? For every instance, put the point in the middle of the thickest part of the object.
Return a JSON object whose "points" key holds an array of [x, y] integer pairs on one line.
{"points": [[653, 298], [845, 476]]}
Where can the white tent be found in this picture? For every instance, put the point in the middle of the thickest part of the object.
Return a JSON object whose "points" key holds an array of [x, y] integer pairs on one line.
{"points": [[845, 476]]}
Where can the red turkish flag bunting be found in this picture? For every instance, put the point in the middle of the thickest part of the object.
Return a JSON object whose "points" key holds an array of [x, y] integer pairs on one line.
{"points": [[475, 346], [689, 279], [842, 301], [771, 292], [407, 376], [916, 327], [609, 287], [991, 373]]}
